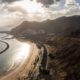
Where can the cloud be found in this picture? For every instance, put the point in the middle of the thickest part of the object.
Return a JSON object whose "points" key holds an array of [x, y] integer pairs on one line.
{"points": [[13, 13], [10, 16], [70, 3], [46, 2], [8, 1], [72, 7]]}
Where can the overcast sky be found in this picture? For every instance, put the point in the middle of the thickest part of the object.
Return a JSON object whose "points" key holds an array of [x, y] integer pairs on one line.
{"points": [[14, 12]]}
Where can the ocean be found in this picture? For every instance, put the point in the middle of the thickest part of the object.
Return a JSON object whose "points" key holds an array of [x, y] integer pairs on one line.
{"points": [[12, 53]]}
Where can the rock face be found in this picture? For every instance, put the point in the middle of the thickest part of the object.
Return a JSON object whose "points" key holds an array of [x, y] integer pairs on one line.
{"points": [[66, 59]]}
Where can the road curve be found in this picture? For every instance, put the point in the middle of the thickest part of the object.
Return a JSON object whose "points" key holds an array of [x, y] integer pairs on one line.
{"points": [[6, 48]]}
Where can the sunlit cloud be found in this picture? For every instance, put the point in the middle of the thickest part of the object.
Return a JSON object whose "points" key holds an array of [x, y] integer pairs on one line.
{"points": [[13, 13]]}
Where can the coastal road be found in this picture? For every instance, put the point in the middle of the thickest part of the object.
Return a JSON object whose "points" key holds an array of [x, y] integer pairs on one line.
{"points": [[45, 57], [6, 46]]}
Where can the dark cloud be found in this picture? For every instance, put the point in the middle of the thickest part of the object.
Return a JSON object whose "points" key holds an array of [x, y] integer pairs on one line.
{"points": [[47, 2], [9, 1]]}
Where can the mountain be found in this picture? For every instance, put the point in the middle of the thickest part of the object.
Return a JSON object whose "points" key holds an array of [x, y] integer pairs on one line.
{"points": [[66, 26]]}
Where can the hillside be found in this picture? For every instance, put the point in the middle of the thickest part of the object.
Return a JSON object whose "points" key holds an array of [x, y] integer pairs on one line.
{"points": [[65, 58], [62, 26]]}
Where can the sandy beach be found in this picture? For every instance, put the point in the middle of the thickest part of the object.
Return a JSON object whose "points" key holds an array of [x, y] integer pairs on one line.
{"points": [[24, 67]]}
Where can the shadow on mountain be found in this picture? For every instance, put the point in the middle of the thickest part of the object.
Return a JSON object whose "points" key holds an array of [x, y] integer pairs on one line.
{"points": [[66, 26]]}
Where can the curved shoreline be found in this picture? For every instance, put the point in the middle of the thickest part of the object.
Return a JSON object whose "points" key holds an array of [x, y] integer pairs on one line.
{"points": [[19, 69]]}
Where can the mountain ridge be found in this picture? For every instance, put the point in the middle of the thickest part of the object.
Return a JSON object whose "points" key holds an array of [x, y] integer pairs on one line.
{"points": [[62, 26]]}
